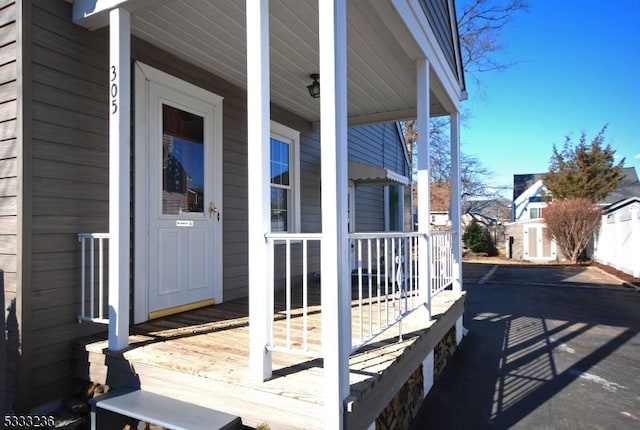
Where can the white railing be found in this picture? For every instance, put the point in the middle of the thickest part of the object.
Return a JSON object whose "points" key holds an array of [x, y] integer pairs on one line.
{"points": [[93, 285], [290, 329], [385, 282], [441, 261], [384, 285]]}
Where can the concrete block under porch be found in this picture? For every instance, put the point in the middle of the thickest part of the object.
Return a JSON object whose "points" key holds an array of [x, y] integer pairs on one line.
{"points": [[201, 357]]}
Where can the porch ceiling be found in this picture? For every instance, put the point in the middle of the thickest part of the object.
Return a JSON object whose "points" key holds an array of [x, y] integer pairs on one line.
{"points": [[211, 34]]}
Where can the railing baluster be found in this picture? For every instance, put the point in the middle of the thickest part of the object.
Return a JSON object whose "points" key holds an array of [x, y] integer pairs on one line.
{"points": [[271, 292], [378, 292], [360, 315], [411, 262], [101, 276], [386, 279], [394, 283], [88, 280], [83, 280], [370, 283], [288, 290], [92, 275], [403, 271], [305, 300]]}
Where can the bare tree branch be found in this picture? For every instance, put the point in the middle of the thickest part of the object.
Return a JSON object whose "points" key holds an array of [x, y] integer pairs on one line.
{"points": [[480, 26]]}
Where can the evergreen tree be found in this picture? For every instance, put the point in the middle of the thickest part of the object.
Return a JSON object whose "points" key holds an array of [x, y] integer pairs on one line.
{"points": [[585, 170], [476, 238]]}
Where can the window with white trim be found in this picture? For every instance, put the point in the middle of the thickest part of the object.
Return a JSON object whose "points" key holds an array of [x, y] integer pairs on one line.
{"points": [[393, 208], [285, 179]]}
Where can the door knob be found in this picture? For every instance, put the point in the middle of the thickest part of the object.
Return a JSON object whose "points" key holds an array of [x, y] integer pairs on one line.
{"points": [[213, 210]]}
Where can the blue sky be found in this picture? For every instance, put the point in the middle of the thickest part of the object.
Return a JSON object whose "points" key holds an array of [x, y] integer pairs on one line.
{"points": [[577, 64]]}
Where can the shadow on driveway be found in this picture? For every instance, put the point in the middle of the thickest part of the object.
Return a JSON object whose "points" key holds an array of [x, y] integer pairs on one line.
{"points": [[549, 347]]}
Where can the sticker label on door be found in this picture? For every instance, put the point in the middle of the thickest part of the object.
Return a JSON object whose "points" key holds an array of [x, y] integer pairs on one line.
{"points": [[184, 223]]}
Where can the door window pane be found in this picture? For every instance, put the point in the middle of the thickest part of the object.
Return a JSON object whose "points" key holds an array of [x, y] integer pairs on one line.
{"points": [[182, 162]]}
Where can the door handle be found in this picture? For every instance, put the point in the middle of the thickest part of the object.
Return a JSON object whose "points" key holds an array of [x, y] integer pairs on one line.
{"points": [[213, 210]]}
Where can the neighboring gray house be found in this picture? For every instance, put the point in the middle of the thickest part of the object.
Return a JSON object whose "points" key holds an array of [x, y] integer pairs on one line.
{"points": [[526, 232], [525, 235], [629, 187], [181, 137], [528, 197], [529, 193]]}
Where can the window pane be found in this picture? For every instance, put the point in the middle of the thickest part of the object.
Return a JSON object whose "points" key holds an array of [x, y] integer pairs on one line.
{"points": [[279, 162], [182, 162], [279, 213]]}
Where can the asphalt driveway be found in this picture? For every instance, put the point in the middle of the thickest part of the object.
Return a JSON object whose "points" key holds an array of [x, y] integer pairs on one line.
{"points": [[549, 347]]}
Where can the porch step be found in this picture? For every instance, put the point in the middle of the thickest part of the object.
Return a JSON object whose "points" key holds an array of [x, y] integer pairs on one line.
{"points": [[112, 410]]}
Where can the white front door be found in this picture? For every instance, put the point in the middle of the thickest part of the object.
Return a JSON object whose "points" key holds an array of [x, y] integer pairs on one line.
{"points": [[178, 195]]}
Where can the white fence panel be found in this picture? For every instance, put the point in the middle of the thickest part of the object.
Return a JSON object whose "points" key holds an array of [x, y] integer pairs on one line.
{"points": [[617, 241]]}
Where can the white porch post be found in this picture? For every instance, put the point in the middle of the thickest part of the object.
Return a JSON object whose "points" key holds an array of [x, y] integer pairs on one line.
{"points": [[335, 288], [635, 236], [424, 190], [119, 172], [258, 135], [455, 209]]}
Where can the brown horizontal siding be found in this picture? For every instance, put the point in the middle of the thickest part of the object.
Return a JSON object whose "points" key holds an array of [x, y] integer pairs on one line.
{"points": [[69, 128], [10, 326]]}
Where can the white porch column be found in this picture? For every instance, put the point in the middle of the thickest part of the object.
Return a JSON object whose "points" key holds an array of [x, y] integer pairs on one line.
{"points": [[424, 189], [335, 281], [119, 172], [635, 236], [258, 135], [455, 209]]}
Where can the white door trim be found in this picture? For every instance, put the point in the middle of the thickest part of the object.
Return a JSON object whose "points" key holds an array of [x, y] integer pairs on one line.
{"points": [[144, 75], [351, 204]]}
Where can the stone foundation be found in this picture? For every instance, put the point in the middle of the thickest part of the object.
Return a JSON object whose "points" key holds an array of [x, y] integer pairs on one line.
{"points": [[443, 352], [399, 414]]}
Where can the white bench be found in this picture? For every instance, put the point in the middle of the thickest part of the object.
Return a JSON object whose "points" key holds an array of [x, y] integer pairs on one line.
{"points": [[156, 409]]}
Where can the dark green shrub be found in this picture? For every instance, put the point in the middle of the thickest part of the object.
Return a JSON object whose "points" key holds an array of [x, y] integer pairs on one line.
{"points": [[476, 238]]}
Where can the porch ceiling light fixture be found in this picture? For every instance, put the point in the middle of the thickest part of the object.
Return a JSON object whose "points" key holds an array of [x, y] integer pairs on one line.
{"points": [[314, 88]]}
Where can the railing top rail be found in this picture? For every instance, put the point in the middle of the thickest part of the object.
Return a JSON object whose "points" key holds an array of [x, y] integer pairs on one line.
{"points": [[93, 235], [293, 236], [383, 235], [442, 232], [359, 235]]}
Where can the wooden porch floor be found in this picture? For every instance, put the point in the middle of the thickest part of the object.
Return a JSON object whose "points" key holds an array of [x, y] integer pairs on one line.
{"points": [[201, 356]]}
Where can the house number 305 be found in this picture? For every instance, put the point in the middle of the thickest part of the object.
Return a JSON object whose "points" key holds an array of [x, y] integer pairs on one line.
{"points": [[113, 90]]}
